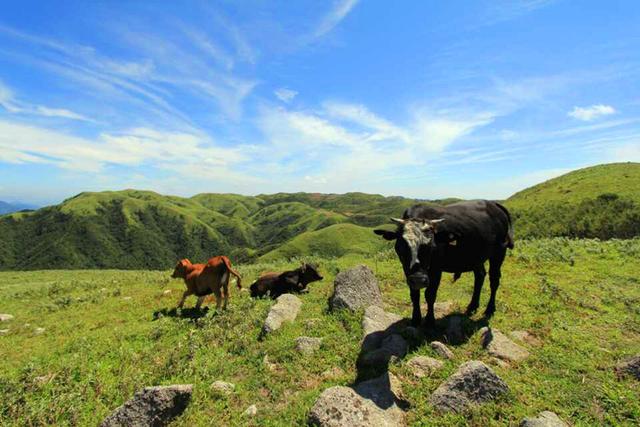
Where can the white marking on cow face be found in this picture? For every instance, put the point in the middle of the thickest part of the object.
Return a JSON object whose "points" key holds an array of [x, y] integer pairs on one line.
{"points": [[415, 237]]}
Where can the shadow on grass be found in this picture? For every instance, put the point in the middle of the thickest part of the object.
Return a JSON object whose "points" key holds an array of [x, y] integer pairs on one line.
{"points": [[184, 313], [392, 344]]}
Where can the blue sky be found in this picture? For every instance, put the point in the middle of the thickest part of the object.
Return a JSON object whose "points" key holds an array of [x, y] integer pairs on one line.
{"points": [[428, 99]]}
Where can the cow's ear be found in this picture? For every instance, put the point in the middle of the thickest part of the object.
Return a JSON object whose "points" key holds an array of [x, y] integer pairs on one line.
{"points": [[386, 234]]}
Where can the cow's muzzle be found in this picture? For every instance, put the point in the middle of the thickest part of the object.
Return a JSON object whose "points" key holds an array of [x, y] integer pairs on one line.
{"points": [[418, 280]]}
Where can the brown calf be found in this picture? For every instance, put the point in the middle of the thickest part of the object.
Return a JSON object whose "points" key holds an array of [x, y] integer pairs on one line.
{"points": [[204, 279]]}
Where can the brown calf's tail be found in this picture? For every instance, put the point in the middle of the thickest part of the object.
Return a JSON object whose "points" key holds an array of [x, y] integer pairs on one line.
{"points": [[232, 271]]}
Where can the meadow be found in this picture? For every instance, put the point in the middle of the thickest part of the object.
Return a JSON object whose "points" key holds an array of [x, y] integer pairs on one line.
{"points": [[108, 333]]}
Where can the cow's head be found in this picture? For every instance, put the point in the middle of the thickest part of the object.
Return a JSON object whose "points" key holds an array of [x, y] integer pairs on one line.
{"points": [[309, 273], [181, 269], [415, 241]]}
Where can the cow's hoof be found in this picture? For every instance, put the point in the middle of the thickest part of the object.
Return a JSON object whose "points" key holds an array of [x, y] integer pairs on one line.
{"points": [[489, 311], [471, 309]]}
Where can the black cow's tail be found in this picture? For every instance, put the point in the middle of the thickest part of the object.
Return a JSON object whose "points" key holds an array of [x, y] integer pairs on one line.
{"points": [[509, 241]]}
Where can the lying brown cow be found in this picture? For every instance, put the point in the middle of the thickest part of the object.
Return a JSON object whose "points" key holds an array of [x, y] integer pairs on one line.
{"points": [[276, 284], [204, 279]]}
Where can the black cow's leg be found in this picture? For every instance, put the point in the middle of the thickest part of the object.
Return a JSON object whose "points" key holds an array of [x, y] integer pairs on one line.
{"points": [[430, 295], [495, 264], [478, 273], [416, 316]]}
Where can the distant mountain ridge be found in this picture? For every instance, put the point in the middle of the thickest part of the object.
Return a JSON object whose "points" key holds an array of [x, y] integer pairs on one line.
{"points": [[6, 207], [133, 229]]}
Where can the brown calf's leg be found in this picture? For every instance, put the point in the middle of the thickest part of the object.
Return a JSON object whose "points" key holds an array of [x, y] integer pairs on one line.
{"points": [[199, 303], [184, 297], [218, 295]]}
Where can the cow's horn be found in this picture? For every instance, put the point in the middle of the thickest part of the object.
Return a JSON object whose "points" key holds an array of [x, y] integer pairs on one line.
{"points": [[398, 221], [436, 221]]}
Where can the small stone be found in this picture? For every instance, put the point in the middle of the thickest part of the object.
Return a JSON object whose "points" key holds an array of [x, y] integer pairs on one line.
{"points": [[308, 345], [43, 379], [153, 406], [442, 350], [103, 289], [166, 292], [127, 298], [268, 364], [544, 419], [285, 309], [223, 387], [422, 366], [498, 345], [525, 337], [473, 383], [5, 317], [4, 331], [39, 331], [251, 411], [355, 288], [629, 367]]}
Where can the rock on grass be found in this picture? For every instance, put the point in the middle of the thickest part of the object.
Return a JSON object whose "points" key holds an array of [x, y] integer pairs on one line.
{"points": [[544, 419], [307, 345], [223, 387], [441, 349], [629, 367], [355, 288], [370, 403], [285, 309], [498, 345], [422, 366], [4, 317], [474, 383], [153, 406]]}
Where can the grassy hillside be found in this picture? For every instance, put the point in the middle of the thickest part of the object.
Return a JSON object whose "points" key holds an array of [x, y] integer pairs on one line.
{"points": [[109, 333], [601, 201], [142, 229]]}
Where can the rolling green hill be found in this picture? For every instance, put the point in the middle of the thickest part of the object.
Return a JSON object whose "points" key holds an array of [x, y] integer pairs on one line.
{"points": [[600, 201], [142, 229], [133, 229]]}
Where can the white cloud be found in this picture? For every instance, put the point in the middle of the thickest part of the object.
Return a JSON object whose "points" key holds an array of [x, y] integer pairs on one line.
{"points": [[164, 150], [14, 106], [285, 95], [589, 113], [338, 12]]}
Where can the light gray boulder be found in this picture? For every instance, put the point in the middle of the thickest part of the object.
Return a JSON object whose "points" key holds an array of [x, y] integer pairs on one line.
{"points": [[370, 403], [308, 345], [629, 367], [423, 366], [285, 309], [441, 349], [355, 288], [544, 419], [498, 345]]}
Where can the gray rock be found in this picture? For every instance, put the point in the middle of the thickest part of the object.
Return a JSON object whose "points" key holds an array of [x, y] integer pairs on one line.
{"points": [[166, 292], [355, 288], [4, 317], [629, 367], [38, 331], [308, 344], [525, 337], [473, 383], [422, 366], [498, 345], [544, 419], [377, 325], [455, 332], [442, 350], [251, 411], [223, 387], [370, 403], [441, 309], [153, 406], [285, 309]]}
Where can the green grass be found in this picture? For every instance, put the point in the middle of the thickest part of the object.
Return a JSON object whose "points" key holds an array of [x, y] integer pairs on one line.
{"points": [[101, 343]]}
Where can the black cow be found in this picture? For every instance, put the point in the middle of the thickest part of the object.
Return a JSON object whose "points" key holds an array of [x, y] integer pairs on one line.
{"points": [[455, 238], [276, 284]]}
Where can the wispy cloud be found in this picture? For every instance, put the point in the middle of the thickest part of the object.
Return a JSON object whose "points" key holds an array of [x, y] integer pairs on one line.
{"points": [[593, 112], [338, 12], [285, 95], [9, 102]]}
